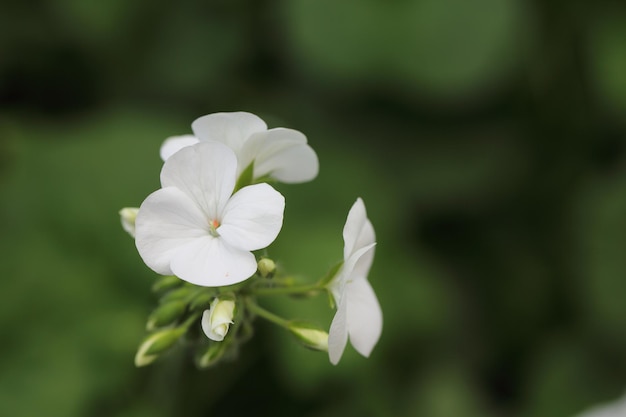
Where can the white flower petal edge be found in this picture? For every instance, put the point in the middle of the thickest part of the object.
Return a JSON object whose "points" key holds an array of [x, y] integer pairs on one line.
{"points": [[282, 154], [232, 129], [359, 316], [614, 409], [216, 321], [179, 227], [174, 144]]}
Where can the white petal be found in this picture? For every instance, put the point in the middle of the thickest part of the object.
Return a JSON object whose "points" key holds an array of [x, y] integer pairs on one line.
{"points": [[206, 172], [253, 217], [232, 129], [166, 220], [338, 334], [208, 329], [358, 230], [282, 154], [347, 273], [365, 317], [210, 262], [174, 144]]}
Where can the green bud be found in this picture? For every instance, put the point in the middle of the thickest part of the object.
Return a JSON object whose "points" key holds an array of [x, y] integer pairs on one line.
{"points": [[157, 343], [177, 294], [202, 300], [309, 335], [127, 217], [212, 355], [267, 267], [166, 314], [166, 283]]}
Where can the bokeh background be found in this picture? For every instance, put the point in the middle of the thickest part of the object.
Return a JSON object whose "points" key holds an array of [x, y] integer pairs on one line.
{"points": [[487, 139]]}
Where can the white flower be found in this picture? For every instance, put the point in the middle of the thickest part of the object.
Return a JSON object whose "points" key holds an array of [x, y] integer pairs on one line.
{"points": [[614, 409], [217, 320], [193, 228], [279, 153], [127, 217], [359, 316]]}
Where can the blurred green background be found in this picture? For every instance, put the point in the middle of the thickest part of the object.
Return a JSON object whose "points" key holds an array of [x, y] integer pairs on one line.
{"points": [[487, 139]]}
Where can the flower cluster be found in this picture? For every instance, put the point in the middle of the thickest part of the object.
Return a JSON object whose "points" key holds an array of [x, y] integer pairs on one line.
{"points": [[202, 230]]}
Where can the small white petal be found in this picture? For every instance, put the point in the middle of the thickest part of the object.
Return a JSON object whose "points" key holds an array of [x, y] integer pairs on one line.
{"points": [[211, 262], [358, 230], [207, 328], [174, 144], [347, 273], [167, 220], [205, 172], [253, 217], [282, 154], [338, 334], [232, 129], [365, 317]]}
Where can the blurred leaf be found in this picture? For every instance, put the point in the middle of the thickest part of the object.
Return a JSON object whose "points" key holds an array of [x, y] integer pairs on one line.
{"points": [[444, 48], [606, 40]]}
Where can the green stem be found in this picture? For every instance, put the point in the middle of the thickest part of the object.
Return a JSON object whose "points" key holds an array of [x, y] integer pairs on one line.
{"points": [[299, 289], [259, 311], [190, 321]]}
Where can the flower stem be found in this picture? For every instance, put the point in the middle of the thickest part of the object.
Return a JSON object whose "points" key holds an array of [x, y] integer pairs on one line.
{"points": [[299, 289], [259, 311]]}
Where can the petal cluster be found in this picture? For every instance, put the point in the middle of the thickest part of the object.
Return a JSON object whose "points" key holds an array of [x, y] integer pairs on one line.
{"points": [[279, 153], [195, 228], [359, 316]]}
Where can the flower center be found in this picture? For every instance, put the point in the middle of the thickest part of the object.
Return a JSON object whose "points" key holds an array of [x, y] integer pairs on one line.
{"points": [[213, 225]]}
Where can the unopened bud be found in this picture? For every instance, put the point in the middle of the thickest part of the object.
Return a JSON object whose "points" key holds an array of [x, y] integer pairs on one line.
{"points": [[217, 320], [157, 343], [128, 216], [267, 267], [309, 335], [166, 283], [166, 314], [212, 355]]}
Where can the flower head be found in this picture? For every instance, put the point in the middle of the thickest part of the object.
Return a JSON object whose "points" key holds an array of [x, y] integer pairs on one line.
{"points": [[195, 228], [279, 153], [359, 316], [217, 320]]}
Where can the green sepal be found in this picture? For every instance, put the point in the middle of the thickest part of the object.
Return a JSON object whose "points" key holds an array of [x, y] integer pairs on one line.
{"points": [[166, 283], [246, 177], [166, 314]]}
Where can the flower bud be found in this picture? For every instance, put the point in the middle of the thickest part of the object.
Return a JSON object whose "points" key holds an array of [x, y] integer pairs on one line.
{"points": [[309, 335], [157, 343], [128, 216], [267, 267], [217, 320], [166, 314], [166, 283], [212, 355]]}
